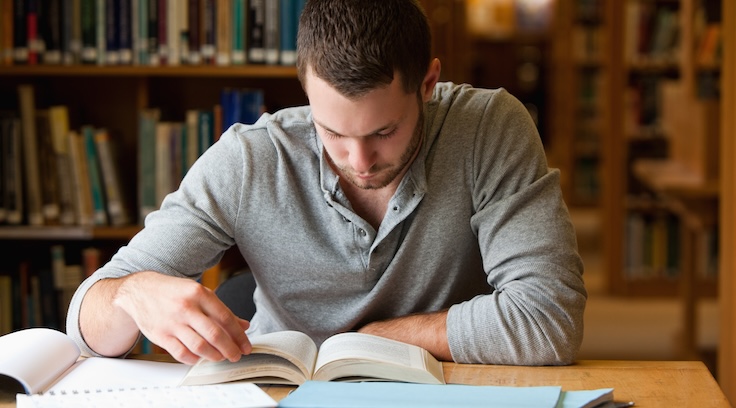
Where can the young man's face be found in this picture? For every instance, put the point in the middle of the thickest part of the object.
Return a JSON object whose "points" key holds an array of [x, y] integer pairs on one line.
{"points": [[370, 140]]}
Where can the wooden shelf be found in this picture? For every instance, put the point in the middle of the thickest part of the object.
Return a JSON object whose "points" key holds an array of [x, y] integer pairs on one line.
{"points": [[196, 71], [68, 233], [672, 178]]}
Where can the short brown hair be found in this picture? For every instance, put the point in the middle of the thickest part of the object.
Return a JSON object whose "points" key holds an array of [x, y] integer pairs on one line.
{"points": [[358, 45]]}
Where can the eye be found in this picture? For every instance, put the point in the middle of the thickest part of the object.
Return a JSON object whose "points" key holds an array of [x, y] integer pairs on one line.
{"points": [[386, 135]]}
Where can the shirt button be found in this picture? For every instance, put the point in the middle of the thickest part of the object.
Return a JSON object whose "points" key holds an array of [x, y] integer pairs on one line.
{"points": [[362, 232], [396, 208]]}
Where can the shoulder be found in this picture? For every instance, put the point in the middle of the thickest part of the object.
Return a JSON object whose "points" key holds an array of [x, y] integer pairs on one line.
{"points": [[289, 126]]}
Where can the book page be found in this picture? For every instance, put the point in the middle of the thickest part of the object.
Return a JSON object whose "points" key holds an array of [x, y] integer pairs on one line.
{"points": [[35, 358], [277, 358], [100, 373], [365, 355]]}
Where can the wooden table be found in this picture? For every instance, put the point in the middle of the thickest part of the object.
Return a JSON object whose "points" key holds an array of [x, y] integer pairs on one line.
{"points": [[647, 383]]}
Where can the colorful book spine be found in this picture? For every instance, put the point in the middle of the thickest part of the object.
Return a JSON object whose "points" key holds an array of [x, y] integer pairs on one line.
{"points": [[99, 211], [256, 31], [30, 154]]}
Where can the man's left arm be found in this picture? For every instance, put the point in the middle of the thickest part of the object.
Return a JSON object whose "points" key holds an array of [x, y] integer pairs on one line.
{"points": [[426, 330]]}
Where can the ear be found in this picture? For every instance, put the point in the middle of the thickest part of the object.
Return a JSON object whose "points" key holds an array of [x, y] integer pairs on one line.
{"points": [[430, 79]]}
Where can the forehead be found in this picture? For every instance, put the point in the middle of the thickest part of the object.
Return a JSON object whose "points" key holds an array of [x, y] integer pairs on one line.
{"points": [[382, 107]]}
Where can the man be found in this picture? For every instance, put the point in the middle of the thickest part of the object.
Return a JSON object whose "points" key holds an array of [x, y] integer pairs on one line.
{"points": [[391, 205]]}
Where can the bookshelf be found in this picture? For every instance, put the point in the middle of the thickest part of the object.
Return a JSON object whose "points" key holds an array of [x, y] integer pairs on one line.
{"points": [[579, 70], [660, 155]]}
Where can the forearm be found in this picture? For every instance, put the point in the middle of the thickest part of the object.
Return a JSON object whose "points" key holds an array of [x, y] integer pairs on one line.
{"points": [[427, 330], [106, 328]]}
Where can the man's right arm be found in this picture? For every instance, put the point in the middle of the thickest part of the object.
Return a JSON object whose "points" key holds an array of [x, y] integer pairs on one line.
{"points": [[178, 314]]}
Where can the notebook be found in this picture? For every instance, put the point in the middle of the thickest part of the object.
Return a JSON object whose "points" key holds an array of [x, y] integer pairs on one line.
{"points": [[229, 395]]}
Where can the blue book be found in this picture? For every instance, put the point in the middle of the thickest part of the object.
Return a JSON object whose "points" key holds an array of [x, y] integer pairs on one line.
{"points": [[290, 10], [99, 212], [251, 105]]}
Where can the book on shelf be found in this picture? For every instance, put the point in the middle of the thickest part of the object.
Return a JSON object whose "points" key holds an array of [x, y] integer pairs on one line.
{"points": [[239, 29], [224, 32], [149, 32], [50, 197], [6, 304], [80, 180], [12, 168], [193, 32], [26, 101], [147, 121], [59, 129], [208, 33], [272, 29], [290, 12], [99, 206], [115, 200], [292, 357], [256, 31]]}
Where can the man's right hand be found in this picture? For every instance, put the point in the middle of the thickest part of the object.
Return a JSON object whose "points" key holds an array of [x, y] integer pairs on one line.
{"points": [[178, 314]]}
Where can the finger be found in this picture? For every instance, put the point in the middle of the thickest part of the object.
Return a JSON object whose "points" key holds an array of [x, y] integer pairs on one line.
{"points": [[212, 333], [230, 323], [179, 351], [200, 345]]}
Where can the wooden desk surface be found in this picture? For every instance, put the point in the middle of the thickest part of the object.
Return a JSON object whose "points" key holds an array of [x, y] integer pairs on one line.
{"points": [[647, 383]]}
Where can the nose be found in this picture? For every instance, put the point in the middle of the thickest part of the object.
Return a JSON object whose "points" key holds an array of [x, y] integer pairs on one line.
{"points": [[361, 156]]}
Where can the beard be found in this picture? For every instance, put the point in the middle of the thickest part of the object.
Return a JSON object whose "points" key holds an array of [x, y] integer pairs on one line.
{"points": [[387, 173]]}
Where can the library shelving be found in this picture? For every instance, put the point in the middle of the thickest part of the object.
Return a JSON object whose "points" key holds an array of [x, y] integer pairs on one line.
{"points": [[660, 175], [579, 72], [112, 97]]}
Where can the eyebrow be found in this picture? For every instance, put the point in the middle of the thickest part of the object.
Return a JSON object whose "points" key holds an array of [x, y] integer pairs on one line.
{"points": [[375, 132]]}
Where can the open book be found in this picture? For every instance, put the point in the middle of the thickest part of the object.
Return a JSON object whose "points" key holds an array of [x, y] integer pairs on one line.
{"points": [[40, 360], [291, 357], [46, 365]]}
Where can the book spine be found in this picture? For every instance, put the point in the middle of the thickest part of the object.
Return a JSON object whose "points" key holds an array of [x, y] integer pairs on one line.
{"points": [[12, 165], [141, 32], [289, 11], [193, 32], [111, 180], [20, 34], [206, 130], [47, 168], [238, 34], [34, 41], [252, 105], [175, 26], [272, 25], [163, 161], [74, 29], [223, 33], [59, 122], [152, 34], [30, 154], [6, 32], [111, 32], [98, 199], [148, 120], [52, 14], [162, 23], [6, 304], [100, 30], [207, 36], [80, 180], [125, 37], [89, 31], [192, 138], [256, 27]]}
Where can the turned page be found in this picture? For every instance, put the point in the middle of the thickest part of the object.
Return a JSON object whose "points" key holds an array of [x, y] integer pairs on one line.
{"points": [[287, 354], [32, 359], [362, 353]]}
